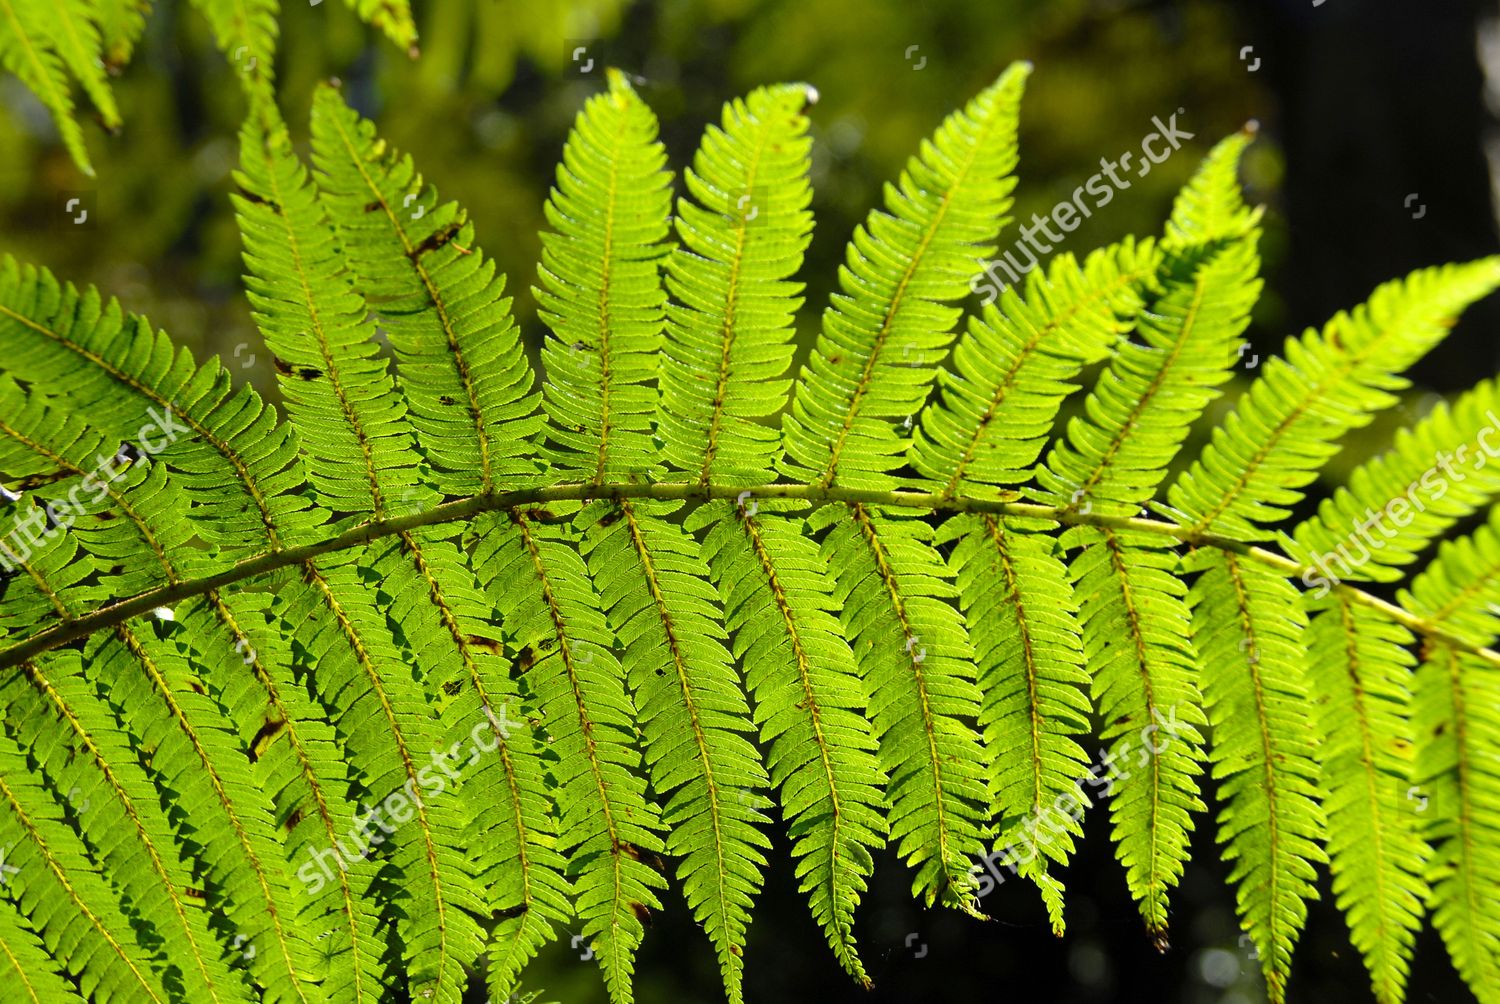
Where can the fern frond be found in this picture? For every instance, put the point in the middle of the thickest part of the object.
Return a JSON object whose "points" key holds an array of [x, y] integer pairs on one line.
{"points": [[1247, 628], [693, 713], [26, 965], [1289, 422], [26, 50], [1359, 676], [338, 389], [894, 593], [73, 33], [246, 32], [606, 825], [461, 364], [230, 455], [1458, 752], [121, 25], [1460, 588], [392, 17], [882, 335], [1456, 717], [112, 796], [446, 625], [601, 290], [62, 895], [387, 726], [809, 702], [1139, 412], [80, 475], [1019, 605], [1138, 647], [729, 330], [1211, 208], [1434, 474], [1013, 368]]}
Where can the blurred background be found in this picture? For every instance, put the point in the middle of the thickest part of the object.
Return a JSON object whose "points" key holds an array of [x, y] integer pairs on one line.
{"points": [[1375, 121]]}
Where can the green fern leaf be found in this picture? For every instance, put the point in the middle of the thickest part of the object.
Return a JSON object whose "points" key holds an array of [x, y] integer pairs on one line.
{"points": [[1435, 473], [121, 25], [440, 302], [729, 330], [606, 825], [1013, 367], [601, 291], [1359, 675], [1458, 749], [810, 704], [873, 362], [1139, 413], [895, 594], [45, 868], [26, 50], [1139, 651], [27, 965], [693, 713], [1289, 422], [1247, 629], [1458, 761], [1021, 612]]}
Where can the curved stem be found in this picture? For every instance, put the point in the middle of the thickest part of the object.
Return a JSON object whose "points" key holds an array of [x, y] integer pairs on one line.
{"points": [[74, 628]]}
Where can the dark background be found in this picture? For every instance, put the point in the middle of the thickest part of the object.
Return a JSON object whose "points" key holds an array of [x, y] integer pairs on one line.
{"points": [[1371, 162]]}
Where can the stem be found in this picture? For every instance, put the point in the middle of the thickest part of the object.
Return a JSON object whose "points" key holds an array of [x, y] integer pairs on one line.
{"points": [[71, 629]]}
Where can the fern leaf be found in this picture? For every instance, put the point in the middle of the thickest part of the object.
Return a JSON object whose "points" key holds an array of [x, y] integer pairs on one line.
{"points": [[893, 590], [606, 825], [300, 764], [59, 456], [1139, 412], [810, 705], [729, 330], [446, 627], [1021, 613], [873, 361], [1460, 590], [1458, 748], [26, 964], [440, 301], [225, 447], [338, 389], [1138, 648], [1210, 209], [1013, 368], [1458, 761], [1290, 420], [385, 723], [246, 32], [693, 712], [1247, 629], [601, 292], [1435, 473], [73, 34], [392, 17], [121, 25], [64, 898], [26, 50], [1359, 675], [112, 797]]}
